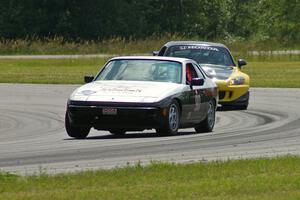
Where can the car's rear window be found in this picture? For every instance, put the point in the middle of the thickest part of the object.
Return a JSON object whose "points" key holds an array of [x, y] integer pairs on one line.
{"points": [[142, 70]]}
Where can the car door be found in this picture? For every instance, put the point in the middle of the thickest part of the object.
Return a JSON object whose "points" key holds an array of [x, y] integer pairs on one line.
{"points": [[202, 91], [192, 108]]}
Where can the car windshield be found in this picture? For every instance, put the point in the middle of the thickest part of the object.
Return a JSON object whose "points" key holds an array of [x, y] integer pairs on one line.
{"points": [[142, 70], [202, 54]]}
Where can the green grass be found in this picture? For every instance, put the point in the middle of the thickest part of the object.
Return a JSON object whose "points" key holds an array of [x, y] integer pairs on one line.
{"points": [[58, 45], [274, 74], [277, 178], [268, 58], [121, 46], [281, 73], [56, 71]]}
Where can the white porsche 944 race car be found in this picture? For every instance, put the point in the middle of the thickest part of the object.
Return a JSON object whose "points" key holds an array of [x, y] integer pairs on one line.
{"points": [[140, 92]]}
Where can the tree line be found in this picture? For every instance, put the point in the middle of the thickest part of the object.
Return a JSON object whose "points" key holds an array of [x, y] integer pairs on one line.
{"points": [[137, 19]]}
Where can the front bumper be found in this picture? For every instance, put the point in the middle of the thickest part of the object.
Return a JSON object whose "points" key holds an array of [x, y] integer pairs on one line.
{"points": [[128, 117], [242, 100], [231, 93]]}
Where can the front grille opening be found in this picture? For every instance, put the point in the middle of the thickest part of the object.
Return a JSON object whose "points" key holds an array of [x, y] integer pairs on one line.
{"points": [[222, 94]]}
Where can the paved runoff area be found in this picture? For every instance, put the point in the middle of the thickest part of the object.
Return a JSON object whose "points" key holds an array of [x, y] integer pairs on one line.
{"points": [[33, 139]]}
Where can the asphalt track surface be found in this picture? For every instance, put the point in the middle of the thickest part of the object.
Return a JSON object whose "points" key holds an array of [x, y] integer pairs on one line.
{"points": [[33, 139]]}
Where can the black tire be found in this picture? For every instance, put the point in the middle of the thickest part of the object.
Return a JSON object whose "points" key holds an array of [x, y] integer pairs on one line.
{"points": [[171, 121], [208, 123], [74, 131], [117, 132]]}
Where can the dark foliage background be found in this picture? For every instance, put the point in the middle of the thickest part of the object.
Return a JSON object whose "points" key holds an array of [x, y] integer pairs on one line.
{"points": [[78, 20]]}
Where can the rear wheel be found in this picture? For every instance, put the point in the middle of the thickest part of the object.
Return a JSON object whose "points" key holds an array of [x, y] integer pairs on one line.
{"points": [[208, 123], [171, 120], [74, 131]]}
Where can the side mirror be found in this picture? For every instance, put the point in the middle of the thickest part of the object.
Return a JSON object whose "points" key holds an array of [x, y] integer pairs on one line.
{"points": [[241, 63], [88, 78], [155, 53], [197, 81]]}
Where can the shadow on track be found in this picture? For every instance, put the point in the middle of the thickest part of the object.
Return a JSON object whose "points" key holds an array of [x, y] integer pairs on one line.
{"points": [[130, 136]]}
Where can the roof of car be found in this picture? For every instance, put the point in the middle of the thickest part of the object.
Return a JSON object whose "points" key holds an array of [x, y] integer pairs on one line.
{"points": [[172, 43], [151, 58]]}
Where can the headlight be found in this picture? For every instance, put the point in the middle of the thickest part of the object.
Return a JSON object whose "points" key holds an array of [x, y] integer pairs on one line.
{"points": [[237, 81]]}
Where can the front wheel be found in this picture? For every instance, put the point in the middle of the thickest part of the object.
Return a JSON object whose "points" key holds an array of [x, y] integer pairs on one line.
{"points": [[208, 123], [74, 131], [171, 120]]}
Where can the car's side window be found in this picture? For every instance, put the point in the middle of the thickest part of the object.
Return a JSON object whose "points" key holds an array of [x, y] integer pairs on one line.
{"points": [[190, 73], [199, 71], [162, 51]]}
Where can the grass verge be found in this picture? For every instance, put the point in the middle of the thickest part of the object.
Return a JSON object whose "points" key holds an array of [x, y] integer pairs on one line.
{"points": [[276, 178], [274, 74], [55, 71], [279, 73], [121, 46]]}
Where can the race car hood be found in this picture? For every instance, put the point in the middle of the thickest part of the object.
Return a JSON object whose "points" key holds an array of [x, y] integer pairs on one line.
{"points": [[125, 91], [219, 72]]}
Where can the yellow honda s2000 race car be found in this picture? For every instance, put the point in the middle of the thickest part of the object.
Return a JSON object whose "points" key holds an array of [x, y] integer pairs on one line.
{"points": [[218, 63]]}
